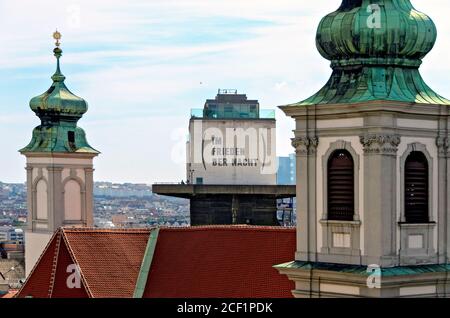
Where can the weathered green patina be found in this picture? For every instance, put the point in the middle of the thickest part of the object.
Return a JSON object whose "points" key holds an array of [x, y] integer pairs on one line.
{"points": [[59, 111], [146, 264], [362, 270], [376, 48]]}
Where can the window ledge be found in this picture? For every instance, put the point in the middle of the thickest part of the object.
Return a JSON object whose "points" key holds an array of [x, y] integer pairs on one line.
{"points": [[336, 222], [426, 224]]}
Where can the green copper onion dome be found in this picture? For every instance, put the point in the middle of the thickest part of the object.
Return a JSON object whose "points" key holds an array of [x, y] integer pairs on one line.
{"points": [[59, 110], [58, 100], [375, 48], [376, 32]]}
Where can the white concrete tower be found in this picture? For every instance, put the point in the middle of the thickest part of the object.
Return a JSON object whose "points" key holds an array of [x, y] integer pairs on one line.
{"points": [[59, 166]]}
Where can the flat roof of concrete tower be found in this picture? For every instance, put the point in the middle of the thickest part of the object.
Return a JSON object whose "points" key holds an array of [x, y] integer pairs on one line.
{"points": [[190, 190], [232, 98]]}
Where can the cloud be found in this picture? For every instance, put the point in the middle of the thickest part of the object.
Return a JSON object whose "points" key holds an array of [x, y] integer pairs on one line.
{"points": [[140, 63], [280, 85]]}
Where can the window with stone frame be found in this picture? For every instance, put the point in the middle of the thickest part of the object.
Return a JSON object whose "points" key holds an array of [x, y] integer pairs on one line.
{"points": [[416, 188], [341, 186]]}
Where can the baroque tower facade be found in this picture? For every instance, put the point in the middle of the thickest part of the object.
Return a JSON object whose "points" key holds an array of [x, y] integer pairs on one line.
{"points": [[373, 161], [59, 165]]}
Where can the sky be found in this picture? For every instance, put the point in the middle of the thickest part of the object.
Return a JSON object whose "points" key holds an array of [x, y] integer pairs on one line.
{"points": [[143, 64]]}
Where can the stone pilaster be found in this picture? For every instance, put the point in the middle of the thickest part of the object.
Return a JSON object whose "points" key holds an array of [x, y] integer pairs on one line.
{"points": [[380, 221], [443, 143], [305, 148], [89, 195], [30, 192], [56, 197]]}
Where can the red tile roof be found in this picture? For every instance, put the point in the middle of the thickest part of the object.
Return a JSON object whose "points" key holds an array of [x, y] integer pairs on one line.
{"points": [[221, 261], [38, 282], [211, 261], [110, 260]]}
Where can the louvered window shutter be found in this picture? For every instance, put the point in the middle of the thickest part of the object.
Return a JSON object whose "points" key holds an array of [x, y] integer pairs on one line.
{"points": [[341, 186], [416, 188]]}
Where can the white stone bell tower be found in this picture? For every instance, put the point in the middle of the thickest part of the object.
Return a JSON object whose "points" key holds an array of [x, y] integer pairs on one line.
{"points": [[372, 161], [59, 167]]}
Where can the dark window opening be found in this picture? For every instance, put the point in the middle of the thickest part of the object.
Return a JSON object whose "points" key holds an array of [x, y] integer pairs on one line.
{"points": [[71, 138], [341, 186], [416, 188]]}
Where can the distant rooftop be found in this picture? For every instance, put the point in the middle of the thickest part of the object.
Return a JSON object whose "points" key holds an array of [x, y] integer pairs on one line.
{"points": [[263, 114], [228, 104]]}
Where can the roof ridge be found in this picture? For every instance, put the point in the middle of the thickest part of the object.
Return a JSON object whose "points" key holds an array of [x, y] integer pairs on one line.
{"points": [[94, 229], [230, 228], [146, 264], [233, 227], [54, 264]]}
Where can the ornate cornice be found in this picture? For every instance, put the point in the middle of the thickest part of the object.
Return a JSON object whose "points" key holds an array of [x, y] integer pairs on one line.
{"points": [[380, 143], [305, 145]]}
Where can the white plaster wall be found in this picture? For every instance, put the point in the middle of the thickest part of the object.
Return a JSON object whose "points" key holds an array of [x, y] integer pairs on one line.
{"points": [[339, 289], [80, 174], [72, 201], [417, 123], [45, 173], [65, 173], [41, 200], [34, 174], [264, 172], [322, 148], [35, 244], [41, 226], [340, 123], [418, 290], [57, 161], [430, 144]]}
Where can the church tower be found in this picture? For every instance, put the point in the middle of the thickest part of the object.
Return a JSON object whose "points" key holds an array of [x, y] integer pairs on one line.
{"points": [[373, 161], [59, 166]]}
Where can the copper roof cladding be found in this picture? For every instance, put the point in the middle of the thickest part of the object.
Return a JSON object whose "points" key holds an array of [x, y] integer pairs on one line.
{"points": [[375, 58], [206, 261], [59, 111]]}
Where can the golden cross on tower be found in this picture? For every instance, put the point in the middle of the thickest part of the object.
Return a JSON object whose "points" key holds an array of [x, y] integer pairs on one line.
{"points": [[57, 37]]}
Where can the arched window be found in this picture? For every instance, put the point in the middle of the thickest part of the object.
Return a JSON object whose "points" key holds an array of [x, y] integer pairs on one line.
{"points": [[341, 186], [416, 188]]}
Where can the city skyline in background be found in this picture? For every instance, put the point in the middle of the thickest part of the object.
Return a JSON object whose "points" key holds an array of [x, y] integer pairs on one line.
{"points": [[143, 66]]}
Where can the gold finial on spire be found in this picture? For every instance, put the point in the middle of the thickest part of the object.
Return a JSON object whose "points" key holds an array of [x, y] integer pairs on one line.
{"points": [[57, 77], [57, 37]]}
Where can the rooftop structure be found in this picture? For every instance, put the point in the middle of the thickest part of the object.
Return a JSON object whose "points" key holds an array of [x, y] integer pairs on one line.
{"points": [[230, 204], [231, 164], [228, 104]]}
